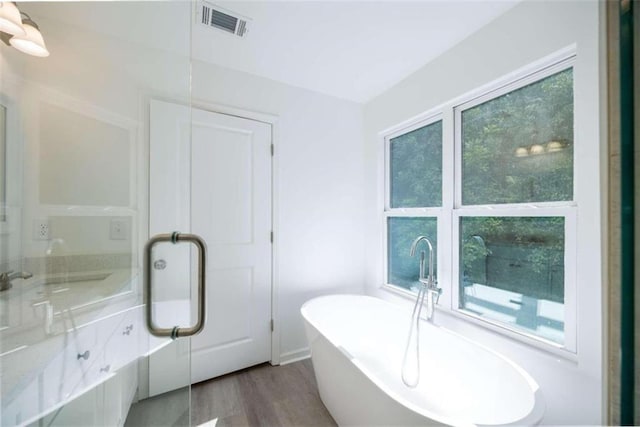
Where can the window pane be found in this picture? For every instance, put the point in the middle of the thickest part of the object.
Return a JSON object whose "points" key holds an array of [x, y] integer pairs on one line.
{"points": [[512, 271], [416, 168], [519, 147], [402, 231]]}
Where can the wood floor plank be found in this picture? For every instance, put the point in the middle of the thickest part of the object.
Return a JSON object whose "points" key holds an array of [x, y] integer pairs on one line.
{"points": [[258, 405], [169, 409], [271, 396], [238, 420], [264, 395], [303, 409], [220, 400]]}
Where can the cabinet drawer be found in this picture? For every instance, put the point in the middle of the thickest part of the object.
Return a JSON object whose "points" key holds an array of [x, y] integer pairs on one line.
{"points": [[124, 345]]}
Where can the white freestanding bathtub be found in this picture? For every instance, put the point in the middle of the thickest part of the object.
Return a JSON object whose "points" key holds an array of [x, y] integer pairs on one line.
{"points": [[357, 344]]}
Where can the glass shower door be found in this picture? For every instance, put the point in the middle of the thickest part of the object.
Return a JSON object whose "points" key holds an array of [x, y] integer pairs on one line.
{"points": [[74, 218]]}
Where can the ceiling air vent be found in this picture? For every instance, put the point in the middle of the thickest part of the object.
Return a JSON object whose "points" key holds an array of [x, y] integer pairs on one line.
{"points": [[215, 17]]}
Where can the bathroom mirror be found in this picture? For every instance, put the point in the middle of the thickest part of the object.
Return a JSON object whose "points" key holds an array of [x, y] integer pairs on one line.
{"points": [[69, 175]]}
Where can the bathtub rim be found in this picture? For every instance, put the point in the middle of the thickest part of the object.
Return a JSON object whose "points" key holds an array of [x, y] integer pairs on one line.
{"points": [[533, 417]]}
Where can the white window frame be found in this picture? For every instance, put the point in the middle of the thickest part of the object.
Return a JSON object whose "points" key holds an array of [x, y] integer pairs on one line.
{"points": [[425, 212], [452, 210], [497, 92], [570, 237]]}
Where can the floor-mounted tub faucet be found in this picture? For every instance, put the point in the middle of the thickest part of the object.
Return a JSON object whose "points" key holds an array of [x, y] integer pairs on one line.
{"points": [[411, 360], [7, 277], [428, 282]]}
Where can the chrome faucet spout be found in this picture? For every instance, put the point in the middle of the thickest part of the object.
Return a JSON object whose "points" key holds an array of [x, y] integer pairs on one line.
{"points": [[429, 281], [21, 275]]}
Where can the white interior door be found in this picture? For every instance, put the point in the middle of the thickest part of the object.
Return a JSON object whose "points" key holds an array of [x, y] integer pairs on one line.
{"points": [[231, 210], [228, 166]]}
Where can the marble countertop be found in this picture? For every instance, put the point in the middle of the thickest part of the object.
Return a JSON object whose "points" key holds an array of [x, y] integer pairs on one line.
{"points": [[38, 315], [49, 321]]}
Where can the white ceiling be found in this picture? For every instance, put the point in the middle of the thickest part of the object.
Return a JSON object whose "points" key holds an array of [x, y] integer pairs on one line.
{"points": [[348, 49]]}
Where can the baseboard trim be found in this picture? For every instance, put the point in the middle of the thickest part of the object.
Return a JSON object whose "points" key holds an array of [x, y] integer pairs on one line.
{"points": [[295, 356]]}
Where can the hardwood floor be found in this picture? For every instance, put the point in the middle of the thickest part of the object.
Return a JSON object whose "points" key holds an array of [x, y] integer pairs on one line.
{"points": [[263, 395]]}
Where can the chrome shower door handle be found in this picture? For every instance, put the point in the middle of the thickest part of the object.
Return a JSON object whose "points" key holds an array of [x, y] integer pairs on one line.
{"points": [[175, 238]]}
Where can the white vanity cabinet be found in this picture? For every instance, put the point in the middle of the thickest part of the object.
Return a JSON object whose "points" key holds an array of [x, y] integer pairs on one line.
{"points": [[13, 413], [52, 374], [90, 378], [82, 363], [84, 410], [104, 405], [123, 345]]}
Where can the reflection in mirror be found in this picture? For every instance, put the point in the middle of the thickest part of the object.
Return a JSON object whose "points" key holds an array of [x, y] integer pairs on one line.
{"points": [[72, 174], [85, 159]]}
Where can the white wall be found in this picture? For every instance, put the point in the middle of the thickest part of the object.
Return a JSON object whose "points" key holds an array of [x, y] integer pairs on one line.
{"points": [[320, 177], [573, 389]]}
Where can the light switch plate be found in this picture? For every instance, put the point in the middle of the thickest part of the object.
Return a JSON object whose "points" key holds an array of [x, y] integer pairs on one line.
{"points": [[118, 229]]}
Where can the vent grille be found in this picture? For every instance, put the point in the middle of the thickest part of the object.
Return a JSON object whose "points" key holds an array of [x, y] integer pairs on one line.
{"points": [[242, 28], [212, 17]]}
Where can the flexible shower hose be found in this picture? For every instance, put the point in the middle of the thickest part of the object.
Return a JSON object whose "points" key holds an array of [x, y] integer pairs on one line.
{"points": [[412, 378]]}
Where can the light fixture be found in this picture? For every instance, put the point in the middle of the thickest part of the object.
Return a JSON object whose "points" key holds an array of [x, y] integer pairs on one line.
{"points": [[32, 42], [554, 146], [20, 31], [10, 21], [537, 149]]}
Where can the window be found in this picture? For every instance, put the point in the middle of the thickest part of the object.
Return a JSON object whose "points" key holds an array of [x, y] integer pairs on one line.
{"points": [[403, 269], [414, 199], [518, 147], [416, 167], [509, 210], [512, 271]]}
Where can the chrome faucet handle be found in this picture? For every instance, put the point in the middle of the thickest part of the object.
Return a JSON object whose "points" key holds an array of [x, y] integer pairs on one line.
{"points": [[438, 293], [436, 290], [10, 275], [431, 284]]}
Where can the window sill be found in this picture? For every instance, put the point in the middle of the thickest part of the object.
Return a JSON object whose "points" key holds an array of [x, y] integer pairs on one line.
{"points": [[397, 290], [493, 327]]}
